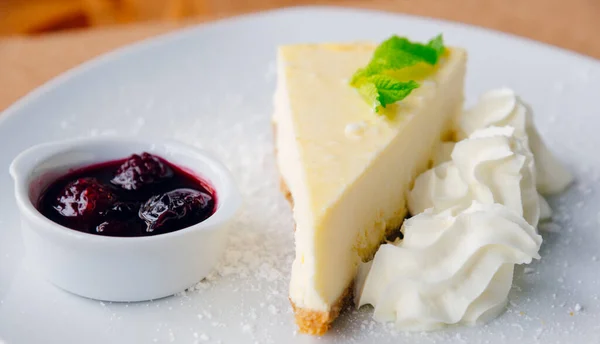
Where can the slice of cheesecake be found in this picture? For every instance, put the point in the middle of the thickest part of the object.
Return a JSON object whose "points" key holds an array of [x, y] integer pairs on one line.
{"points": [[347, 169]]}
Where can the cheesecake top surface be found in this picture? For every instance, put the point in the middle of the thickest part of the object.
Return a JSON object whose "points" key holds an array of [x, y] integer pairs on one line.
{"points": [[337, 132]]}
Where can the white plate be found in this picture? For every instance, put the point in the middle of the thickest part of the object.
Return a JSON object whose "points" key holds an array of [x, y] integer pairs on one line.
{"points": [[212, 86]]}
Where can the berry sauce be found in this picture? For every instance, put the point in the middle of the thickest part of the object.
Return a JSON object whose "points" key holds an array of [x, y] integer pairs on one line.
{"points": [[141, 195]]}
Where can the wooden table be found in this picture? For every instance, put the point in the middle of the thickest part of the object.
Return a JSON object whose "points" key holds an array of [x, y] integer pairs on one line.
{"points": [[27, 62]]}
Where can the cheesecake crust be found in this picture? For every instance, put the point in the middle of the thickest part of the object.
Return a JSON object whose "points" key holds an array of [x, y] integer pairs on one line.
{"points": [[317, 323], [286, 192]]}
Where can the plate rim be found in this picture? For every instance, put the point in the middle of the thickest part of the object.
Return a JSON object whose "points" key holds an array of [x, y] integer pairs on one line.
{"points": [[157, 40]]}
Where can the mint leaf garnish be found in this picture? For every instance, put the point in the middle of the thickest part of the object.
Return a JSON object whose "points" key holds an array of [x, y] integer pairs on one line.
{"points": [[382, 90], [376, 82], [437, 44]]}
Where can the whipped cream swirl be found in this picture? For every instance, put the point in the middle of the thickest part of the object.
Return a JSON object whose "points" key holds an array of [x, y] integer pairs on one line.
{"points": [[502, 107], [493, 165], [448, 269]]}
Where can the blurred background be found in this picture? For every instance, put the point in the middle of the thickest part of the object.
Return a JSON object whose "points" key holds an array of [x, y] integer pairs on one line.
{"points": [[34, 17], [566, 23], [40, 39]]}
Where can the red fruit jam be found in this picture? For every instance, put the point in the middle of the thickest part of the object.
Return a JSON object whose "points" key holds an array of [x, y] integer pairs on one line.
{"points": [[139, 196]]}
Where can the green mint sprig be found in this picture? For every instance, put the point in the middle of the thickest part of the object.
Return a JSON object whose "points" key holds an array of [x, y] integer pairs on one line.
{"points": [[376, 82]]}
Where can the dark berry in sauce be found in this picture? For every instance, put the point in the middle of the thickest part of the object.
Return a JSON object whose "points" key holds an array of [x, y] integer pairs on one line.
{"points": [[141, 170], [84, 197], [138, 196], [180, 207]]}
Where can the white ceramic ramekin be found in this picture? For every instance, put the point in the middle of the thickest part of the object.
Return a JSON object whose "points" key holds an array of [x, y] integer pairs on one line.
{"points": [[113, 268]]}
